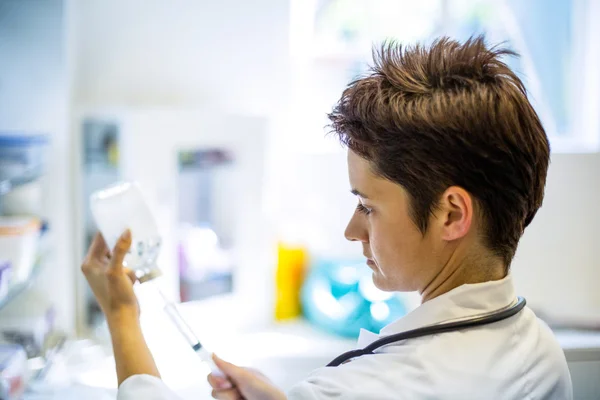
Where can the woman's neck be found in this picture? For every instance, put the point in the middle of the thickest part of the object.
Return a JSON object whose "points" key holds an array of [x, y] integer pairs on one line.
{"points": [[456, 273]]}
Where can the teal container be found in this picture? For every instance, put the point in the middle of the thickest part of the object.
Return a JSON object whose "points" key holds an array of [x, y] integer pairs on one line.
{"points": [[340, 297]]}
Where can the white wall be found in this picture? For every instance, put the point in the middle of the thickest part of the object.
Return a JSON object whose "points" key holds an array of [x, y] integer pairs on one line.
{"points": [[32, 83], [230, 53], [33, 98], [557, 264]]}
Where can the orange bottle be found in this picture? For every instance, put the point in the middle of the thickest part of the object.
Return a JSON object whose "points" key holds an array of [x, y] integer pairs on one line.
{"points": [[292, 263]]}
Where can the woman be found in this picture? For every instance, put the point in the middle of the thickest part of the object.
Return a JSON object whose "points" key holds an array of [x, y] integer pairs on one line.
{"points": [[448, 161]]}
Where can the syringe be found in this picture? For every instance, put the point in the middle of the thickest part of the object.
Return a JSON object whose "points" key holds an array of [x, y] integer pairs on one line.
{"points": [[187, 332]]}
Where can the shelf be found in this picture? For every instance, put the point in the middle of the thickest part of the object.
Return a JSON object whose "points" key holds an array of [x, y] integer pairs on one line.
{"points": [[10, 184], [16, 289]]}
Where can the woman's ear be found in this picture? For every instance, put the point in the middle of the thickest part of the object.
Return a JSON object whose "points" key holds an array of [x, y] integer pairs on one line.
{"points": [[455, 213]]}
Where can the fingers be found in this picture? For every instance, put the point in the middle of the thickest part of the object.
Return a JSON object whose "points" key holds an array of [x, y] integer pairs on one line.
{"points": [[244, 383], [230, 394], [219, 383], [231, 370], [98, 248], [131, 274], [223, 388], [96, 252], [120, 251]]}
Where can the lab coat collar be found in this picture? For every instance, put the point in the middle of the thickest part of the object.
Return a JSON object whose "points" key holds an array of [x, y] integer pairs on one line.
{"points": [[464, 301]]}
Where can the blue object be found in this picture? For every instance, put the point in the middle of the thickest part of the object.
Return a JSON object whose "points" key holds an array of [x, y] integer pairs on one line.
{"points": [[20, 140], [340, 297], [21, 156]]}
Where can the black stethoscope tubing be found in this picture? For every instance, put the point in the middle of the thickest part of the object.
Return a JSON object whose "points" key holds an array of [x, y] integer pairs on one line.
{"points": [[431, 330]]}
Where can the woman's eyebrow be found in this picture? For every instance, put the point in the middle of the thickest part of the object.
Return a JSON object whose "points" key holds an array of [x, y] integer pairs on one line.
{"points": [[357, 193]]}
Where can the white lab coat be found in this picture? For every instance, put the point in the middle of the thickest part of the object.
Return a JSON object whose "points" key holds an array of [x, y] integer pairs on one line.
{"points": [[517, 358]]}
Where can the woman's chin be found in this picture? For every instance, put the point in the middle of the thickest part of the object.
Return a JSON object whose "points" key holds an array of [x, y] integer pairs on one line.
{"points": [[383, 283]]}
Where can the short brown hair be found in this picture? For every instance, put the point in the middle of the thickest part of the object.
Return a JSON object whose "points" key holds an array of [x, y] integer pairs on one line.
{"points": [[429, 117]]}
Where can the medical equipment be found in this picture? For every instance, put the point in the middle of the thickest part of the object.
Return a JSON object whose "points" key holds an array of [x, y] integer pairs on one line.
{"points": [[120, 207], [469, 322], [187, 332]]}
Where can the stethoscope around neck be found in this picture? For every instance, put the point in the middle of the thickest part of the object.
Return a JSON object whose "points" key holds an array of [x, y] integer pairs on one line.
{"points": [[470, 322]]}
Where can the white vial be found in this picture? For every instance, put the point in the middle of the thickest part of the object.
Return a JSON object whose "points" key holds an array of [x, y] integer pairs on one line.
{"points": [[120, 207]]}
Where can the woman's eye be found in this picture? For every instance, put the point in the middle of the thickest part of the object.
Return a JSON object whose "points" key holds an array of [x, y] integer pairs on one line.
{"points": [[362, 209]]}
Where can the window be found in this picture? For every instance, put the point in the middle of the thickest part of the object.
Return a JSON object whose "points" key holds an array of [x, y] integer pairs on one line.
{"points": [[332, 41]]}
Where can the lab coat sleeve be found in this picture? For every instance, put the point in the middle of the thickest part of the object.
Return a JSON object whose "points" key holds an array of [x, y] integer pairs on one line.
{"points": [[145, 387]]}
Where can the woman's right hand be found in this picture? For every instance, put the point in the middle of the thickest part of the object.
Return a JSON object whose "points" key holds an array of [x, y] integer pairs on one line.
{"points": [[110, 281], [242, 383]]}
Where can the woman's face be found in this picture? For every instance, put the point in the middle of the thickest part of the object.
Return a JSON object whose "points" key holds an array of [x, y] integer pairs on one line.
{"points": [[402, 259]]}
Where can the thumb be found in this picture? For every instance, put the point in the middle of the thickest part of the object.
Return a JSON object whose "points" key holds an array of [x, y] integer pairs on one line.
{"points": [[233, 371], [120, 250], [131, 274]]}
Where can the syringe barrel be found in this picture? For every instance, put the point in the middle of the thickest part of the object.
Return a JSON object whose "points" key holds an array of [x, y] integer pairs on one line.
{"points": [[180, 324]]}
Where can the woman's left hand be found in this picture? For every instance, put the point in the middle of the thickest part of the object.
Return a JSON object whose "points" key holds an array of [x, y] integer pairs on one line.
{"points": [[110, 281]]}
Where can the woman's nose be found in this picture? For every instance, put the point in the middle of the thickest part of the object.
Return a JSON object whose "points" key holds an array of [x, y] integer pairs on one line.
{"points": [[355, 231]]}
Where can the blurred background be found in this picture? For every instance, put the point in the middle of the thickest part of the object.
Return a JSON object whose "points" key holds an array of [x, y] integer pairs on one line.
{"points": [[218, 110]]}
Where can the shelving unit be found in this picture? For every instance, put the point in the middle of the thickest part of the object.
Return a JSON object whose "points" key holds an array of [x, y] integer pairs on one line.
{"points": [[16, 288], [7, 185]]}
